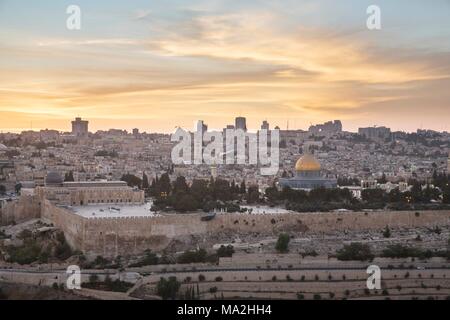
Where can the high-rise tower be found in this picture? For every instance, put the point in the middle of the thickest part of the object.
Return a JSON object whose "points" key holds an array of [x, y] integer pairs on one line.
{"points": [[80, 127], [241, 123]]}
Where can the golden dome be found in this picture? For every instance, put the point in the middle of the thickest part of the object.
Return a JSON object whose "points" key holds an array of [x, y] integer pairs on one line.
{"points": [[307, 163]]}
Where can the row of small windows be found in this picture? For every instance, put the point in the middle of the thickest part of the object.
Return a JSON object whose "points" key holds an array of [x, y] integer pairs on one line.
{"points": [[106, 201]]}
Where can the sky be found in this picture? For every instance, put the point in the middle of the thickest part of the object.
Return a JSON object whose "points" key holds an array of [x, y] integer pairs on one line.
{"points": [[159, 64]]}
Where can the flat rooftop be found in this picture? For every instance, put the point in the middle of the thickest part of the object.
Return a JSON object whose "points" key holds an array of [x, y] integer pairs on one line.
{"points": [[93, 184], [114, 210], [144, 210], [266, 210]]}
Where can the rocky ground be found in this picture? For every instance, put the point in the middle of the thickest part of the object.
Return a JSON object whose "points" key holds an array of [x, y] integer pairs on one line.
{"points": [[322, 244]]}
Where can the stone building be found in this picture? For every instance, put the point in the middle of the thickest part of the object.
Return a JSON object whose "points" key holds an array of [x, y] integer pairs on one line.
{"points": [[88, 192]]}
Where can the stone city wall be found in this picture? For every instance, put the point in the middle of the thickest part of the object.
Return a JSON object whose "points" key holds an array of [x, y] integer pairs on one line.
{"points": [[25, 208], [110, 237], [71, 224], [122, 236]]}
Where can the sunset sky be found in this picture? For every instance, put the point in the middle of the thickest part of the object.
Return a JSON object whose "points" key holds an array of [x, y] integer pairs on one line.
{"points": [[158, 64]]}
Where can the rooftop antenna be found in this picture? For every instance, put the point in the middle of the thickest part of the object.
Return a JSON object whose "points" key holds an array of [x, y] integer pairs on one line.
{"points": [[287, 125]]}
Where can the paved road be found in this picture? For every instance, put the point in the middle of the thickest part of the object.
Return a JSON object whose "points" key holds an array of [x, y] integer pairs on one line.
{"points": [[214, 269]]}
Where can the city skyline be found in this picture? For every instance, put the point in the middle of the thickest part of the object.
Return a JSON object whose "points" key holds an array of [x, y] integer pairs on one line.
{"points": [[155, 65], [69, 128]]}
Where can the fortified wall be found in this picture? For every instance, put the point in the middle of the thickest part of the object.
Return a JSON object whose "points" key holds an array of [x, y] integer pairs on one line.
{"points": [[27, 207], [110, 237]]}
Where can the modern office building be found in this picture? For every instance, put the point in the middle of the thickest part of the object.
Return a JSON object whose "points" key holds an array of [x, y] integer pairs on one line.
{"points": [[241, 123], [80, 127]]}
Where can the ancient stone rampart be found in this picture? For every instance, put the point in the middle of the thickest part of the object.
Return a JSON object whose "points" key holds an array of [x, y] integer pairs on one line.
{"points": [[110, 237]]}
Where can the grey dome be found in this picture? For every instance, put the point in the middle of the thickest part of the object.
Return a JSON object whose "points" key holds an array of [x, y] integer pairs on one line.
{"points": [[53, 178]]}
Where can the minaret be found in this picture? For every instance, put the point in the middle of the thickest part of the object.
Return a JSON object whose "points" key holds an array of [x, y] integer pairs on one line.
{"points": [[214, 170]]}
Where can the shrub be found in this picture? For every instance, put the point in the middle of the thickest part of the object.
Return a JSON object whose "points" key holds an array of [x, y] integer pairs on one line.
{"points": [[193, 256], [225, 251], [282, 244], [387, 232], [149, 259], [219, 279], [25, 254], [213, 289]]}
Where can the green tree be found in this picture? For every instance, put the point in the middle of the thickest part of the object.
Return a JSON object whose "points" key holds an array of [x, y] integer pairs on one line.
{"points": [[145, 184], [69, 176], [168, 289], [184, 202], [2, 190], [243, 187], [282, 244], [373, 195], [387, 232], [18, 187], [272, 194], [199, 190], [446, 194], [180, 185], [252, 194], [225, 251], [194, 256], [131, 180], [163, 186]]}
